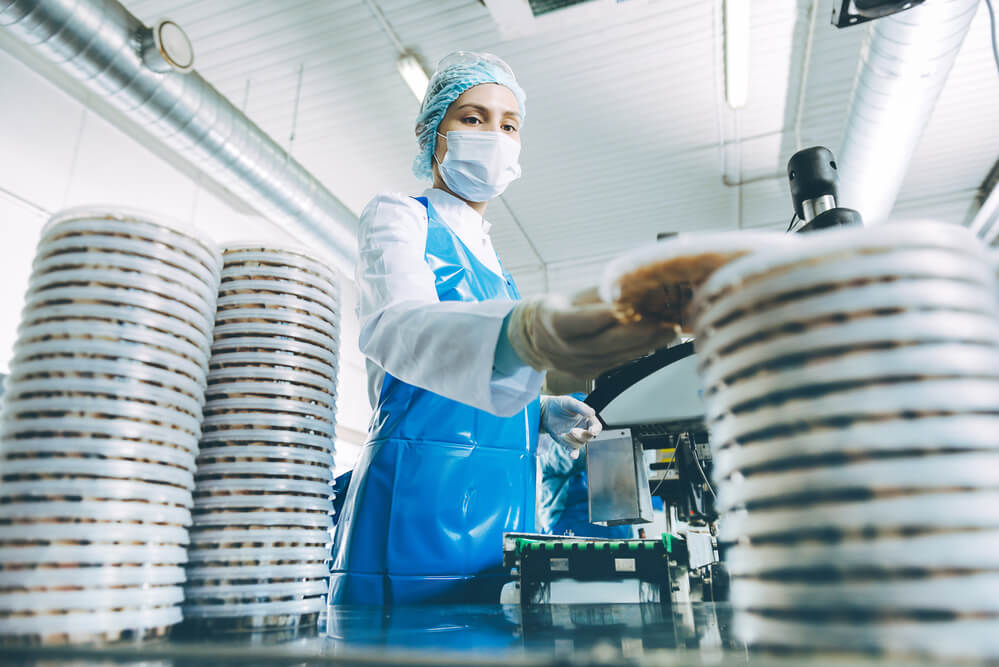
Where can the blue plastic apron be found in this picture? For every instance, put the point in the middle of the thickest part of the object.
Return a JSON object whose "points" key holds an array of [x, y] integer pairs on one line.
{"points": [[438, 482]]}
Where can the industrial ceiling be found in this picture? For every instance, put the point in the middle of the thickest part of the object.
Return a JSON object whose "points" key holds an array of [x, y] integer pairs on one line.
{"points": [[627, 134]]}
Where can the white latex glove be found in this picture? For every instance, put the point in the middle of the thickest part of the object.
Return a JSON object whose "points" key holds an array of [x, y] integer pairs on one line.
{"points": [[569, 422], [581, 339]]}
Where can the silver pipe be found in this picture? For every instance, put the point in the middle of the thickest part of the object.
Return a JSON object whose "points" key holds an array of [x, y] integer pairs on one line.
{"points": [[103, 45], [905, 61]]}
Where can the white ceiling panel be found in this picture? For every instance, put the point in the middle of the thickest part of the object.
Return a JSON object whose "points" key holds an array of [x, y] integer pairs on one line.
{"points": [[627, 132]]}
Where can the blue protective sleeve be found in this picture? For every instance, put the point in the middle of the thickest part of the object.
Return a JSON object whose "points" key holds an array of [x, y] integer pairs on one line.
{"points": [[506, 362]]}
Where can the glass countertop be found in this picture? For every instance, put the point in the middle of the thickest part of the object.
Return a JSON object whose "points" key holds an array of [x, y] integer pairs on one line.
{"points": [[587, 634]]}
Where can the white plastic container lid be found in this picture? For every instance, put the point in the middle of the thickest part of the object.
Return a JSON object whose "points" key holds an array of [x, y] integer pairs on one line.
{"points": [[123, 262], [111, 489], [251, 270], [87, 427], [94, 598], [97, 467], [224, 405], [105, 369], [280, 302], [957, 510], [276, 455], [133, 222], [284, 331], [836, 245], [937, 433], [903, 329], [197, 573], [974, 550], [918, 267], [106, 447], [960, 593], [96, 510], [273, 358], [933, 360], [286, 255], [241, 484], [110, 554], [147, 284], [321, 472], [230, 286], [248, 315], [305, 606], [317, 503], [973, 638], [860, 303], [94, 532], [272, 388], [104, 314], [116, 296], [101, 387], [167, 254], [203, 554], [92, 577], [98, 622], [251, 437], [109, 245], [119, 408], [248, 591], [299, 518], [219, 377], [229, 536], [251, 420], [930, 396], [114, 333], [927, 472], [288, 346], [84, 349]]}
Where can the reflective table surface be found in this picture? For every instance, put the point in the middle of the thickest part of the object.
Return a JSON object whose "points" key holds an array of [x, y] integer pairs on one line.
{"points": [[583, 634]]}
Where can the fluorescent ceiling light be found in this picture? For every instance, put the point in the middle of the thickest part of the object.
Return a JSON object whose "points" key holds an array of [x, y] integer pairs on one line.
{"points": [[736, 52], [413, 73]]}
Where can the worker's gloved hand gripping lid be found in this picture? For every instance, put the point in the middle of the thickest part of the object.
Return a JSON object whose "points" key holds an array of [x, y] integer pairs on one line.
{"points": [[582, 337], [439, 482]]}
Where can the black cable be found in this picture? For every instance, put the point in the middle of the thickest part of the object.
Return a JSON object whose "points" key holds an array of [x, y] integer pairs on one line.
{"points": [[992, 27], [693, 455], [665, 470]]}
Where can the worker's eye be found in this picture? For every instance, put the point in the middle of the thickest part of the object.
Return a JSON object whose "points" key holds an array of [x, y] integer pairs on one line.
{"points": [[509, 128], [471, 120]]}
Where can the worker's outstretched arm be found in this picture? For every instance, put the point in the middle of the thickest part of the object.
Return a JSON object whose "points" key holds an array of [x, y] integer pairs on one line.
{"points": [[448, 347]]}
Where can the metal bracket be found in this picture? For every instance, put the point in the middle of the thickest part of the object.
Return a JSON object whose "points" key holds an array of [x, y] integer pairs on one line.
{"points": [[847, 12]]}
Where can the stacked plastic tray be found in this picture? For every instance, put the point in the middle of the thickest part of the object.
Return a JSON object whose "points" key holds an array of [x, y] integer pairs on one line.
{"points": [[260, 540], [100, 428], [852, 391]]}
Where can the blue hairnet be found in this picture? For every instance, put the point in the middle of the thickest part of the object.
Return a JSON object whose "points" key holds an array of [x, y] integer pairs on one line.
{"points": [[455, 74]]}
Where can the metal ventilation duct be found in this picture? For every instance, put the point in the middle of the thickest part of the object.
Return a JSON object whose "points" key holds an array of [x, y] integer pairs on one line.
{"points": [[905, 62], [103, 45]]}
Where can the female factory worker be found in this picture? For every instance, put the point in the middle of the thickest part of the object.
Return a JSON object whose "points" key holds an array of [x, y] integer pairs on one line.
{"points": [[456, 362]]}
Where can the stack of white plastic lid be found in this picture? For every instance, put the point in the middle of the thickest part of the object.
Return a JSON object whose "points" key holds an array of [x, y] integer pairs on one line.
{"points": [[101, 425], [852, 392], [260, 541]]}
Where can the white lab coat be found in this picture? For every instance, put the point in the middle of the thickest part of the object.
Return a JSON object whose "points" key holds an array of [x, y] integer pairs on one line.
{"points": [[445, 347]]}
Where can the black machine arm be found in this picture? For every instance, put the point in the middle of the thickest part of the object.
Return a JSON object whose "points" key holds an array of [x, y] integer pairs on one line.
{"points": [[812, 175]]}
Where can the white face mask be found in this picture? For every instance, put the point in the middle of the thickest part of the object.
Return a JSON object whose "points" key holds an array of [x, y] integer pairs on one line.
{"points": [[479, 164]]}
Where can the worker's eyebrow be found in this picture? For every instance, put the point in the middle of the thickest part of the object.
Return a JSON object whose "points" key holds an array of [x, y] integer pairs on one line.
{"points": [[486, 110]]}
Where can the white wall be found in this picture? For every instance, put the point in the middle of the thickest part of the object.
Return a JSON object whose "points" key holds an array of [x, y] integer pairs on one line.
{"points": [[54, 153]]}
